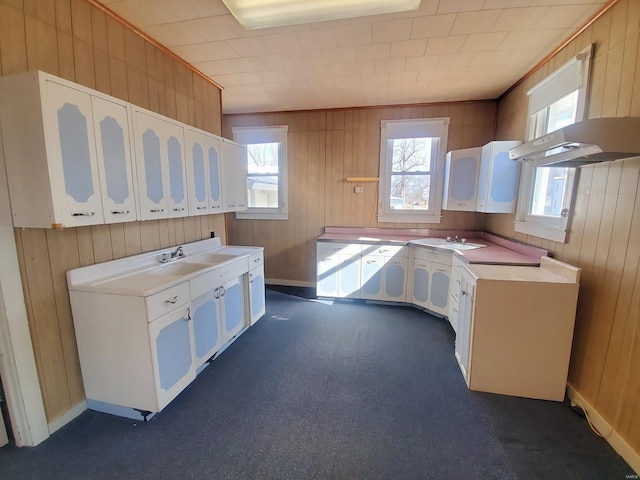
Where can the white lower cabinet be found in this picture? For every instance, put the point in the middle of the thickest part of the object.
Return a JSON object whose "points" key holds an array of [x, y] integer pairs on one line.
{"points": [[515, 328], [431, 269], [338, 269], [256, 306], [383, 273], [232, 307]]}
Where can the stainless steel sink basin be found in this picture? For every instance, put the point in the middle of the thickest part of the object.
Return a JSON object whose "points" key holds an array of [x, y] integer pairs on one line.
{"points": [[212, 258], [178, 269]]}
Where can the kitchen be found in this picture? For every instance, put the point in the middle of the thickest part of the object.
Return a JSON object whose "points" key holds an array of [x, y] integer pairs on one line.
{"points": [[331, 145]]}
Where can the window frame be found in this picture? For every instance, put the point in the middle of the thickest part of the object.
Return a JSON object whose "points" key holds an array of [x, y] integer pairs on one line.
{"points": [[267, 134], [570, 77], [430, 127]]}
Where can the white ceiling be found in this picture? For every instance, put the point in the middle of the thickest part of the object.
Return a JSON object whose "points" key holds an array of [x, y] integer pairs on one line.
{"points": [[448, 50]]}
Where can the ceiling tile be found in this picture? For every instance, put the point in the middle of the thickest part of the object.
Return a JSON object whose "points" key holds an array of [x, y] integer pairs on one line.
{"points": [[277, 61], [533, 39], [250, 78], [221, 27], [281, 43], [408, 48], [248, 47], [565, 16], [422, 63], [315, 39], [392, 65], [234, 65], [359, 68], [433, 26], [391, 31], [454, 6], [519, 19], [478, 42], [497, 4], [340, 55], [403, 78], [475, 22], [444, 45], [352, 35], [204, 52], [455, 60], [376, 51], [174, 34], [270, 76]]}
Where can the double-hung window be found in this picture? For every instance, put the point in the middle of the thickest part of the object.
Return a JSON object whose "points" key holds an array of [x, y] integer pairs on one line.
{"points": [[266, 171], [412, 154], [544, 201]]}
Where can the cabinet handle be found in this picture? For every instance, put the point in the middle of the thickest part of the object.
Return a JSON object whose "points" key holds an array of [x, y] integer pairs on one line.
{"points": [[382, 251], [256, 260], [178, 209], [440, 270], [172, 301], [201, 208], [371, 261], [462, 292], [157, 210], [217, 290], [83, 214], [224, 291], [119, 212], [189, 314]]}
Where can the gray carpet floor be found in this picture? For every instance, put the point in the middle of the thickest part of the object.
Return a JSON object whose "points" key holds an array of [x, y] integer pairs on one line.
{"points": [[329, 391]]}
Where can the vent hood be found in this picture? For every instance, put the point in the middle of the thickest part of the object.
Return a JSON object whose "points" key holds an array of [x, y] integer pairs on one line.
{"points": [[583, 143]]}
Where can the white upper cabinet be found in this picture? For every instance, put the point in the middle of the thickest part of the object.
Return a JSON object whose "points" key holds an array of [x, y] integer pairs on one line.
{"points": [[160, 165], [113, 148], [234, 172], [499, 178], [203, 172], [462, 169], [50, 152]]}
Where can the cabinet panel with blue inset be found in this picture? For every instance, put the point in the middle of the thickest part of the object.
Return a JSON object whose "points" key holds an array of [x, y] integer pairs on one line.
{"points": [[50, 152], [205, 311], [111, 124], [234, 171], [233, 308], [430, 278], [499, 178], [384, 272], [160, 164], [462, 169], [203, 172]]}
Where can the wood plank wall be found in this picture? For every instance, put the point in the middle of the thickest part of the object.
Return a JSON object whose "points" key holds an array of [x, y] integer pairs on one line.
{"points": [[324, 148], [604, 237], [74, 40]]}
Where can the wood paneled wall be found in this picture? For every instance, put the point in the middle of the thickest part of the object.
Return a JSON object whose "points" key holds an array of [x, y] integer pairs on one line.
{"points": [[74, 40], [324, 148], [604, 236]]}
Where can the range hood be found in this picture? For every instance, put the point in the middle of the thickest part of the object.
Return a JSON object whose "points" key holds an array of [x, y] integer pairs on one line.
{"points": [[583, 143]]}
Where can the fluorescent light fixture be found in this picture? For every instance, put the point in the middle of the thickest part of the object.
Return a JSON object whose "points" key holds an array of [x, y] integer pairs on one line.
{"points": [[255, 14]]}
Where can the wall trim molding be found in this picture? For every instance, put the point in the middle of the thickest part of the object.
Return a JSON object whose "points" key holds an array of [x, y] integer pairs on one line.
{"points": [[67, 416], [612, 437]]}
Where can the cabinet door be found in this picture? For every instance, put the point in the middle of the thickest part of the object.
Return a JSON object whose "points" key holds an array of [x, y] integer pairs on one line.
{"points": [[234, 177], [160, 166], [395, 274], [73, 166], [349, 276], [499, 178], [327, 276], [205, 311], [232, 301], [257, 307], [171, 342], [420, 284], [212, 159], [465, 327], [197, 175], [111, 125], [439, 291], [371, 274], [462, 169]]}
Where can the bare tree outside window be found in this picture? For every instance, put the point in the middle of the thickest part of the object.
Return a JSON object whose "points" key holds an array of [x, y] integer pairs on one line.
{"points": [[262, 179], [410, 173]]}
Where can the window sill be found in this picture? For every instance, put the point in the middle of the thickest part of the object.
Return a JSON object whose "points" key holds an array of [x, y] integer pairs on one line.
{"points": [[261, 216], [548, 233]]}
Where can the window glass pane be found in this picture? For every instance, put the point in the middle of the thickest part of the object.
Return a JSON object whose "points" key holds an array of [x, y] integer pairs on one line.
{"points": [[262, 191], [549, 188], [411, 154], [263, 157], [410, 192], [562, 113]]}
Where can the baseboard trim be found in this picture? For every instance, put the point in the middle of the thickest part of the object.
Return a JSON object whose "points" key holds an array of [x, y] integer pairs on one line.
{"points": [[289, 283], [614, 439], [67, 416]]}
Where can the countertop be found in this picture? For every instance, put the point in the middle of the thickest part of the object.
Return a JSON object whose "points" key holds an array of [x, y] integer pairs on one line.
{"points": [[498, 250]]}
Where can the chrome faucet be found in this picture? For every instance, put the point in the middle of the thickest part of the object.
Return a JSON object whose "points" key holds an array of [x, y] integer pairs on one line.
{"points": [[170, 256]]}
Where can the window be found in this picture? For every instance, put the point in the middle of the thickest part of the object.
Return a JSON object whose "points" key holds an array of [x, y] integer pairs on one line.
{"points": [[412, 156], [544, 202], [266, 171]]}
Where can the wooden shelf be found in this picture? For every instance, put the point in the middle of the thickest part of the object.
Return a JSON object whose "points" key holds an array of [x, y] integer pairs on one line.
{"points": [[363, 179]]}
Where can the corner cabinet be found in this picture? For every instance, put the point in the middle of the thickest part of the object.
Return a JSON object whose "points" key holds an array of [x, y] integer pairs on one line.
{"points": [[515, 328], [160, 164], [234, 172], [499, 178], [430, 273], [67, 153]]}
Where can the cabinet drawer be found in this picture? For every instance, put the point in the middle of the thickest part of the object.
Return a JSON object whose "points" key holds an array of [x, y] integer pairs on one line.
{"points": [[400, 251], [231, 270], [256, 259], [330, 248], [167, 300], [432, 254], [204, 283]]}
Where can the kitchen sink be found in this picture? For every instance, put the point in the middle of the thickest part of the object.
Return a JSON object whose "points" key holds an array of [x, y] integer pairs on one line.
{"points": [[178, 269], [444, 243]]}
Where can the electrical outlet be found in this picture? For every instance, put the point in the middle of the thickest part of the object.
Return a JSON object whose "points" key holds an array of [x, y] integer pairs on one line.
{"points": [[213, 234], [358, 190]]}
